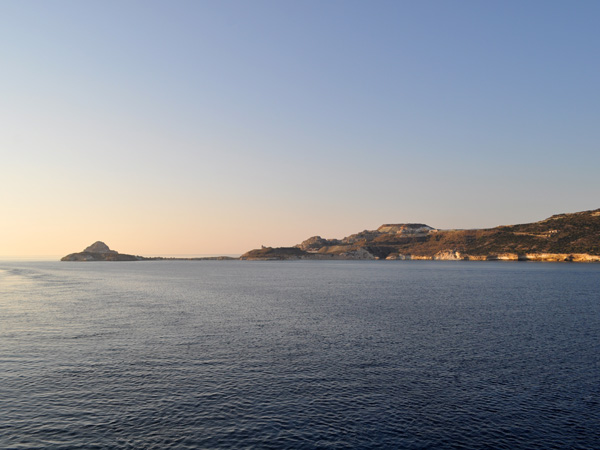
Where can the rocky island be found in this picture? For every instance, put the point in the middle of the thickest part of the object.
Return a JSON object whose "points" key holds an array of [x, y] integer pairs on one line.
{"points": [[562, 237], [99, 251]]}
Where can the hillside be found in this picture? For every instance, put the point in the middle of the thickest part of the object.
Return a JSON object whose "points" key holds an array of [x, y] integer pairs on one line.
{"points": [[99, 251], [562, 237]]}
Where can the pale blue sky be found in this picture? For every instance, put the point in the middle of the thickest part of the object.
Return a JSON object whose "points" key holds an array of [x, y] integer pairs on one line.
{"points": [[217, 126]]}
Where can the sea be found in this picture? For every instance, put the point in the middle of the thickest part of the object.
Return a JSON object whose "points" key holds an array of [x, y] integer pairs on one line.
{"points": [[299, 355]]}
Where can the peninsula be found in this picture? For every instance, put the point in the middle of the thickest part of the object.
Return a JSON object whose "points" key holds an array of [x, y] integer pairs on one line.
{"points": [[562, 237]]}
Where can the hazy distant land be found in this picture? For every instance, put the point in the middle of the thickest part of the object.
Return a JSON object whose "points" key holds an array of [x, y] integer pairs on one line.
{"points": [[562, 237], [99, 251]]}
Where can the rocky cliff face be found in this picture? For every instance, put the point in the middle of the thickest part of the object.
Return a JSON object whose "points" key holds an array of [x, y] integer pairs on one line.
{"points": [[563, 237], [409, 229]]}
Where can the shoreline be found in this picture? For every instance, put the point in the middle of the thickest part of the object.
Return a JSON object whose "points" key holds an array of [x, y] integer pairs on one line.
{"points": [[528, 257]]}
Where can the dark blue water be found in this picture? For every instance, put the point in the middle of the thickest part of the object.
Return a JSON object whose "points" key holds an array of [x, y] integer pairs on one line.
{"points": [[314, 354]]}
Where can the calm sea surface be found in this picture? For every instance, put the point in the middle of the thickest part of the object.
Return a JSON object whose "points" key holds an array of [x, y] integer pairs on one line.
{"points": [[308, 354]]}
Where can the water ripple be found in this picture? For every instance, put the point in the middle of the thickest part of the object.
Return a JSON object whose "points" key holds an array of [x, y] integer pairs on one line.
{"points": [[332, 355]]}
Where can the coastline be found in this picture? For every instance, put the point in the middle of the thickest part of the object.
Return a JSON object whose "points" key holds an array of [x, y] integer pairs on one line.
{"points": [[454, 256]]}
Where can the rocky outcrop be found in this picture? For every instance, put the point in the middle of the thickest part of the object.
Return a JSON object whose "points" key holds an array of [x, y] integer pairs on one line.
{"points": [[448, 255], [270, 254], [562, 257], [359, 253], [99, 251], [315, 243], [98, 247], [410, 229]]}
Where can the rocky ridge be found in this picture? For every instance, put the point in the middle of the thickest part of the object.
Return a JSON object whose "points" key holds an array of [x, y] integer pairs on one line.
{"points": [[562, 237]]}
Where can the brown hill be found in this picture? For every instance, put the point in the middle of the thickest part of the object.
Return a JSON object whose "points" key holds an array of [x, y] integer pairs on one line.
{"points": [[563, 237]]}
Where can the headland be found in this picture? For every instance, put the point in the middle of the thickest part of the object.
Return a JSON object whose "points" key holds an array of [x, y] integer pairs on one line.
{"points": [[562, 237]]}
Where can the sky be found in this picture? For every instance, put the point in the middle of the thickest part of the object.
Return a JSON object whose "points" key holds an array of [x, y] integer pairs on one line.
{"points": [[214, 127]]}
